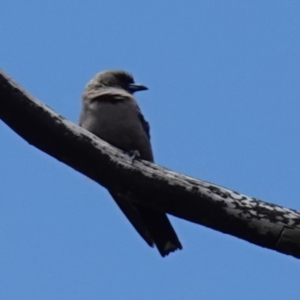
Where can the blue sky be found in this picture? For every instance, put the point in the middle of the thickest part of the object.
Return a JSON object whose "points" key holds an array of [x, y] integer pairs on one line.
{"points": [[223, 103]]}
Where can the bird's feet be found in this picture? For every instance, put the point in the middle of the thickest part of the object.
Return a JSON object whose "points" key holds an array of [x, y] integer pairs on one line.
{"points": [[134, 154]]}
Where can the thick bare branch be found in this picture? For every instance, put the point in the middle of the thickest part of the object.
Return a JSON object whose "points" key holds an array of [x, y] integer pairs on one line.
{"points": [[258, 222]]}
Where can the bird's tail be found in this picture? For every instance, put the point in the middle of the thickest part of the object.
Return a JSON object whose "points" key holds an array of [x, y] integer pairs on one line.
{"points": [[152, 225]]}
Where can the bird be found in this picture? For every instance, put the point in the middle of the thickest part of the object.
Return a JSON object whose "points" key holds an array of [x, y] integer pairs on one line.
{"points": [[110, 111]]}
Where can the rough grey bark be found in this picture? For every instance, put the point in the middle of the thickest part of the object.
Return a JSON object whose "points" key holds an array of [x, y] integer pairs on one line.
{"points": [[264, 224]]}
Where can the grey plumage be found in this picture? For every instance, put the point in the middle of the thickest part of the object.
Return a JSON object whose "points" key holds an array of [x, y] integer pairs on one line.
{"points": [[111, 112]]}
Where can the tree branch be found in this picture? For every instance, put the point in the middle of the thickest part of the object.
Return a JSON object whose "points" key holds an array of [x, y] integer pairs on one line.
{"points": [[258, 222]]}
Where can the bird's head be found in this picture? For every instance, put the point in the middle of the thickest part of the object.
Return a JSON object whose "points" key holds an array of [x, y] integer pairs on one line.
{"points": [[116, 79]]}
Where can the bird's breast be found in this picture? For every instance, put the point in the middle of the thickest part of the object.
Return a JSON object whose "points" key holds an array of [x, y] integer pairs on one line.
{"points": [[117, 123]]}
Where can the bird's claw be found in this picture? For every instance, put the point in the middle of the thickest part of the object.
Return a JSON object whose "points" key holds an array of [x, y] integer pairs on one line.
{"points": [[134, 154]]}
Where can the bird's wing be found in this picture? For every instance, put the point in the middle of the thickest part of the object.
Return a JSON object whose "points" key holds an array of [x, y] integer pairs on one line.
{"points": [[145, 124]]}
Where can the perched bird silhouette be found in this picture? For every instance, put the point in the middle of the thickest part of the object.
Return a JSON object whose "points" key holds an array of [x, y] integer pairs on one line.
{"points": [[111, 112]]}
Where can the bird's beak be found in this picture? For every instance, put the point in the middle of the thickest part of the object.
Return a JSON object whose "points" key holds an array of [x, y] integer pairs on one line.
{"points": [[136, 87]]}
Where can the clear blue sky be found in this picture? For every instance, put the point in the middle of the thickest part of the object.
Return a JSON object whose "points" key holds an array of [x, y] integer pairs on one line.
{"points": [[224, 106]]}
